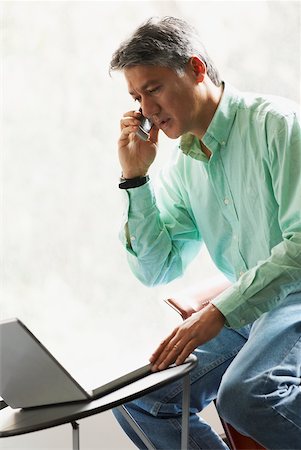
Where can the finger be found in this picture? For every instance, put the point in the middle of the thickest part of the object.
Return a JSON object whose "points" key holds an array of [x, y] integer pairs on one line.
{"points": [[132, 114], [187, 350], [129, 121], [153, 136], [125, 132], [159, 354], [161, 347], [170, 354]]}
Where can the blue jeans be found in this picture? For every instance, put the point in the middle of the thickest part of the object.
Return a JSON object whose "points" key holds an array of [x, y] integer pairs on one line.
{"points": [[255, 375]]}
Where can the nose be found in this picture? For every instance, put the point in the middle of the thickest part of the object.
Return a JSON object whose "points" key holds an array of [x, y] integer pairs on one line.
{"points": [[149, 107]]}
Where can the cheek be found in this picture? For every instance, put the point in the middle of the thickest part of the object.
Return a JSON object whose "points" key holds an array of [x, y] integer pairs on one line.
{"points": [[182, 111], [176, 106], [177, 103]]}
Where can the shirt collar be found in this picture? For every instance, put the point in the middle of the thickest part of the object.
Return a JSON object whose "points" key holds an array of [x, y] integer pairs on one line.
{"points": [[219, 128]]}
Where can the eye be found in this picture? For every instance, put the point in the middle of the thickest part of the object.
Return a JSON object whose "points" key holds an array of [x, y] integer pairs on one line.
{"points": [[155, 90]]}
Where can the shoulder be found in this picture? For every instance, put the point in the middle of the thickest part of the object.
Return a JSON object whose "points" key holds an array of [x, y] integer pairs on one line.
{"points": [[267, 116], [264, 106]]}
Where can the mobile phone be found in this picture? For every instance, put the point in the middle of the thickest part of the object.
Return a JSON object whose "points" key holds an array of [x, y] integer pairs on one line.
{"points": [[144, 127]]}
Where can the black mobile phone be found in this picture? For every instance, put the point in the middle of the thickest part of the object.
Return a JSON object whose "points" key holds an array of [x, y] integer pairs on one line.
{"points": [[144, 127]]}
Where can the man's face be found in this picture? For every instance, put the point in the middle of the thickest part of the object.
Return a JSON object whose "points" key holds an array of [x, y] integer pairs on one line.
{"points": [[169, 100]]}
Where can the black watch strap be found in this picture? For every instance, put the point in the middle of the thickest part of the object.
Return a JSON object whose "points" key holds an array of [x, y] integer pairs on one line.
{"points": [[129, 183]]}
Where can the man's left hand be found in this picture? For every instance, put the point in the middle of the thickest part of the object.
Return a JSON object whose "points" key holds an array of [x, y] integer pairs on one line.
{"points": [[199, 328]]}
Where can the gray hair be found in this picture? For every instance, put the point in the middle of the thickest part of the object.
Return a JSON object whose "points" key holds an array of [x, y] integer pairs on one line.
{"points": [[167, 42]]}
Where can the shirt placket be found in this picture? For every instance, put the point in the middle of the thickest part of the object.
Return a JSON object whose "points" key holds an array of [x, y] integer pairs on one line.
{"points": [[219, 181]]}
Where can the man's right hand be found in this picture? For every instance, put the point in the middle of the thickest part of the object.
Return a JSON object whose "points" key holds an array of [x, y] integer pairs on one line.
{"points": [[135, 155]]}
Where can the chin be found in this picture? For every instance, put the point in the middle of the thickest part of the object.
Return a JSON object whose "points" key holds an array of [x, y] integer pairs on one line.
{"points": [[172, 134]]}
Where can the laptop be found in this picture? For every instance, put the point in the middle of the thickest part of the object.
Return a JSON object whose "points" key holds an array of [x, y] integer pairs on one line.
{"points": [[30, 376]]}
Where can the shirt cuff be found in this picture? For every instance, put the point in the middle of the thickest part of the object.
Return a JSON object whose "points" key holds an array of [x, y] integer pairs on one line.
{"points": [[227, 303]]}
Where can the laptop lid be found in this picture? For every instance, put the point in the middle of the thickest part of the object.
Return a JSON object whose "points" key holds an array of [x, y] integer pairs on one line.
{"points": [[29, 374]]}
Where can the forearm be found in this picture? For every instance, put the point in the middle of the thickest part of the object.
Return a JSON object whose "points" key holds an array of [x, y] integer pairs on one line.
{"points": [[264, 286], [155, 253], [196, 297]]}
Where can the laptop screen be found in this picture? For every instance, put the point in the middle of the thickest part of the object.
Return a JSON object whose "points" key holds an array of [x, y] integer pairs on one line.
{"points": [[29, 374]]}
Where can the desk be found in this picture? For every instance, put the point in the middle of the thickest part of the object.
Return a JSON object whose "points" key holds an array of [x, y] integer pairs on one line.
{"points": [[20, 421]]}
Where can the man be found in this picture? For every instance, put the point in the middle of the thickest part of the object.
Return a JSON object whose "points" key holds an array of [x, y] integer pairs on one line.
{"points": [[234, 183]]}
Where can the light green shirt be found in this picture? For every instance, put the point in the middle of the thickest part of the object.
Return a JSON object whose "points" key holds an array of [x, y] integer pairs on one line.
{"points": [[244, 203]]}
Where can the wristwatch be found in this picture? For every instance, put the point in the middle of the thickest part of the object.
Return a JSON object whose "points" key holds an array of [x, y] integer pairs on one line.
{"points": [[129, 183]]}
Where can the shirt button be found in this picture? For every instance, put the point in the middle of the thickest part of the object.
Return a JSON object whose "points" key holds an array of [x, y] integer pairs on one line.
{"points": [[133, 238], [223, 143], [226, 201]]}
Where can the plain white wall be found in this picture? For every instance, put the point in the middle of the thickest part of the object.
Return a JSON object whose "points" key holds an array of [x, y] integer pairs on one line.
{"points": [[63, 271]]}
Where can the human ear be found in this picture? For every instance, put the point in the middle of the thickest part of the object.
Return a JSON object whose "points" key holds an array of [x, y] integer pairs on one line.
{"points": [[198, 68]]}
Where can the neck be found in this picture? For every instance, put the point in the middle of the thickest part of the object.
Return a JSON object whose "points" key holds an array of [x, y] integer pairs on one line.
{"points": [[205, 150], [210, 98]]}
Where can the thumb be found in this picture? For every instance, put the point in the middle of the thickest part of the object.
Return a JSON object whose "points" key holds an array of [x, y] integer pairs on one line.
{"points": [[153, 135]]}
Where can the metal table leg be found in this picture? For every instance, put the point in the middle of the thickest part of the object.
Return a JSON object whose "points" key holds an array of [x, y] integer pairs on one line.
{"points": [[75, 436], [185, 412], [129, 418], [185, 418]]}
